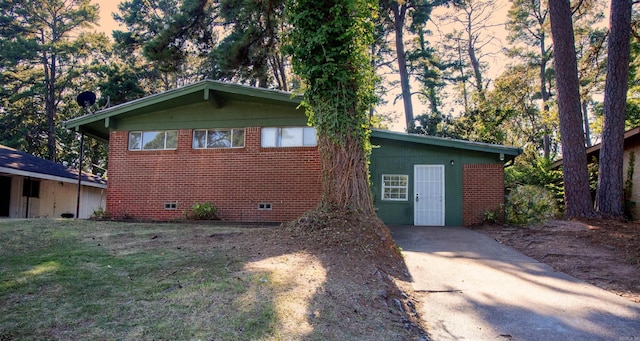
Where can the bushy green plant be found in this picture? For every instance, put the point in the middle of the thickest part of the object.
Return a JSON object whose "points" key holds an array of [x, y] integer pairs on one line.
{"points": [[531, 168], [203, 211], [492, 216], [530, 204], [100, 214]]}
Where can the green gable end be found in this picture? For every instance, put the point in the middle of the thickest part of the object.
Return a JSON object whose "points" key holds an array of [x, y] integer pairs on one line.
{"points": [[205, 104]]}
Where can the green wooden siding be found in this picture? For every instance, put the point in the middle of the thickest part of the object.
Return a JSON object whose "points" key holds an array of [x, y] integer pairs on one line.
{"points": [[204, 114], [399, 157], [210, 104]]}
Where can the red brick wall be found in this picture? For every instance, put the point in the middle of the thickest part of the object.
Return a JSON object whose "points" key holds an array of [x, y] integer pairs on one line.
{"points": [[482, 190], [236, 180]]}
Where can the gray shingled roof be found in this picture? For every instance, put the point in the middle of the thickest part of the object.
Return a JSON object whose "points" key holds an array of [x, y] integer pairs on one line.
{"points": [[16, 162]]}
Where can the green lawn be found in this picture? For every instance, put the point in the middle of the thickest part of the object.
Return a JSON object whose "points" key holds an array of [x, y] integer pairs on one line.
{"points": [[88, 280]]}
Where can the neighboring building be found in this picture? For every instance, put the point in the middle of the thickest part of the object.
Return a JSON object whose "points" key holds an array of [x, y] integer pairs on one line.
{"points": [[631, 144], [33, 187], [250, 152]]}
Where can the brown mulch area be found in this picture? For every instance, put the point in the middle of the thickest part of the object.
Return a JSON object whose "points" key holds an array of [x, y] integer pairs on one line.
{"points": [[605, 253], [367, 278]]}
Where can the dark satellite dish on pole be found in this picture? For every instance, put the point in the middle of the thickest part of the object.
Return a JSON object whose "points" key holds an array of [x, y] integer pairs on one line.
{"points": [[86, 99]]}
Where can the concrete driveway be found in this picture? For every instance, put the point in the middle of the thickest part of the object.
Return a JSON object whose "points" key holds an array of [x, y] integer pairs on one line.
{"points": [[478, 289]]}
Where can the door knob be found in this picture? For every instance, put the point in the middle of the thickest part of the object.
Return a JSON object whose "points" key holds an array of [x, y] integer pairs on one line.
{"points": [[417, 197]]}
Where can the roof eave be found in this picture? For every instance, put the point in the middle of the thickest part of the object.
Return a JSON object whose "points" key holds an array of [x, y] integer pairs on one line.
{"points": [[594, 150], [450, 143], [18, 172], [202, 86]]}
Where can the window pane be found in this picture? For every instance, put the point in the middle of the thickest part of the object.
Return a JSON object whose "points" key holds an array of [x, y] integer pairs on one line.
{"points": [[31, 188], [269, 137], [153, 140], [393, 193], [219, 139], [291, 137], [172, 139], [310, 136], [238, 138], [395, 187], [135, 141], [199, 139]]}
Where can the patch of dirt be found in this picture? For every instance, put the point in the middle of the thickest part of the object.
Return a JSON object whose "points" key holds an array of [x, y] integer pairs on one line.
{"points": [[605, 253], [362, 290]]}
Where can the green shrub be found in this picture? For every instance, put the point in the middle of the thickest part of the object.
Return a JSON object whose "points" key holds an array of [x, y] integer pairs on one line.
{"points": [[492, 216], [100, 214], [203, 211], [533, 169], [530, 204]]}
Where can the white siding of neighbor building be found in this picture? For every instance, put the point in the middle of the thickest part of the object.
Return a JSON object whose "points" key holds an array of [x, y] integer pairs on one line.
{"points": [[635, 190], [56, 198]]}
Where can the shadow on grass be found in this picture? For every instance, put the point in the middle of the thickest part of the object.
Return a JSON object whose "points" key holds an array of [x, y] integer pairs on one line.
{"points": [[185, 281], [336, 277]]}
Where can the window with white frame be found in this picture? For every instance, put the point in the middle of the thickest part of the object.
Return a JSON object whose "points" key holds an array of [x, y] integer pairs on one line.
{"points": [[289, 137], [218, 138], [153, 140], [395, 187]]}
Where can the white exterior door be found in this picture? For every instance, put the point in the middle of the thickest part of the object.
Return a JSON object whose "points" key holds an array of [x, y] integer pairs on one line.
{"points": [[428, 195]]}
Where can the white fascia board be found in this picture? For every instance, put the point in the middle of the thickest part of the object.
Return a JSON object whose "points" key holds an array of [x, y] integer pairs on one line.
{"points": [[49, 177]]}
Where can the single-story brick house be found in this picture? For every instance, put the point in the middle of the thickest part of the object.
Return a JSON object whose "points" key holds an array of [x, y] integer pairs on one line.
{"points": [[251, 153], [33, 187]]}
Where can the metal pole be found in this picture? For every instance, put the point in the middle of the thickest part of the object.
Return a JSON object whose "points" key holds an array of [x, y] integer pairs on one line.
{"points": [[80, 173], [26, 214]]}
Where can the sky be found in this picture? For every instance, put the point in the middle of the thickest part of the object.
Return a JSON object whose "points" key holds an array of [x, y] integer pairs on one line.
{"points": [[107, 7]]}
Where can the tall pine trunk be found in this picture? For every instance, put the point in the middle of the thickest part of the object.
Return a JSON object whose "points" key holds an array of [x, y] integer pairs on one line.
{"points": [[585, 122], [576, 177], [475, 63], [544, 95], [50, 102], [399, 17], [610, 194]]}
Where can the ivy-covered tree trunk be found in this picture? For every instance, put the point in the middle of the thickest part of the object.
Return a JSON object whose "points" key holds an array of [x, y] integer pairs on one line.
{"points": [[329, 45], [344, 175]]}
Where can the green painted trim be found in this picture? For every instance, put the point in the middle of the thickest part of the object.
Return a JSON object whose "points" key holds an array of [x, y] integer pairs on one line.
{"points": [[215, 101], [509, 152]]}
